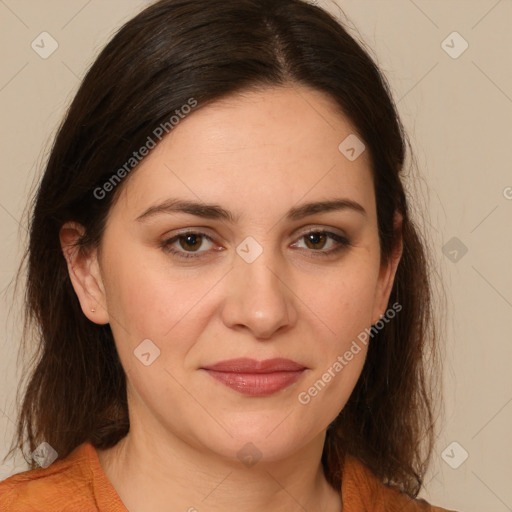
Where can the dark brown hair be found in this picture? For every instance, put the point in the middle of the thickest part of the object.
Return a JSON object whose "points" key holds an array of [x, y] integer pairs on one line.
{"points": [[172, 51]]}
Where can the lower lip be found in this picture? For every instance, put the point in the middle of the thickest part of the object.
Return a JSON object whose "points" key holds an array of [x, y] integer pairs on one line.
{"points": [[256, 384]]}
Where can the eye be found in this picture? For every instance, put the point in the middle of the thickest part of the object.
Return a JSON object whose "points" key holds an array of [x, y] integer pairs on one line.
{"points": [[188, 241], [316, 240]]}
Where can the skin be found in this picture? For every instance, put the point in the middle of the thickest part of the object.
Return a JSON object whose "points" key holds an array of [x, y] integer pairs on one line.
{"points": [[258, 155]]}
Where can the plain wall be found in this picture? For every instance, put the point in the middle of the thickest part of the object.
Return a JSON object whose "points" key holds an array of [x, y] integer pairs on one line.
{"points": [[457, 112]]}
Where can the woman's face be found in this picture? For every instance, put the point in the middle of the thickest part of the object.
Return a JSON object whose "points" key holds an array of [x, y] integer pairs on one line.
{"points": [[249, 282]]}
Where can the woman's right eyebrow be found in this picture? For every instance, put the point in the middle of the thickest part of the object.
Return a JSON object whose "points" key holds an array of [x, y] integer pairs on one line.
{"points": [[214, 211]]}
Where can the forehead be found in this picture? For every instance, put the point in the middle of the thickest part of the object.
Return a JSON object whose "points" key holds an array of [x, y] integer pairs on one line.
{"points": [[273, 117], [257, 148]]}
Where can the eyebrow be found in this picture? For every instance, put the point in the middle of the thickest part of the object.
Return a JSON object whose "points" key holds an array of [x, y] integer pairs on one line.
{"points": [[214, 211]]}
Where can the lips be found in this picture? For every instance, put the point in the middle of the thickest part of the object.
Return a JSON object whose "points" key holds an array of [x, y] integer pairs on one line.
{"points": [[246, 365], [257, 378]]}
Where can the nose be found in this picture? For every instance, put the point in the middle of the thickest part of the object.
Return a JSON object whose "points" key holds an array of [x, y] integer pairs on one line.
{"points": [[259, 298]]}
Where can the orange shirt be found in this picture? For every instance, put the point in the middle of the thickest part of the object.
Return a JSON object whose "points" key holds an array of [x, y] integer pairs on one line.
{"points": [[78, 483]]}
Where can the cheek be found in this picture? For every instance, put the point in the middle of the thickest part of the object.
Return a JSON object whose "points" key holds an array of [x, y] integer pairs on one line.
{"points": [[339, 355], [342, 299], [341, 308], [141, 288], [148, 299]]}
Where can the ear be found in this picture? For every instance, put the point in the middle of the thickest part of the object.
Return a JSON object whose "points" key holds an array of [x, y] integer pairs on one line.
{"points": [[84, 272], [388, 271]]}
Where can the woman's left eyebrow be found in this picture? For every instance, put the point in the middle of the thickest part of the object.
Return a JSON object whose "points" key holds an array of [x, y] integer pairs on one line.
{"points": [[213, 211]]}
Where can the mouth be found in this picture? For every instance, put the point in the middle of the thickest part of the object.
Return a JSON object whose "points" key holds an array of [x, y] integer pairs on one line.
{"points": [[256, 378]]}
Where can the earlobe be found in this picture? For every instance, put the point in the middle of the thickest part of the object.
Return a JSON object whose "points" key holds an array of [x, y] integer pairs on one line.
{"points": [[84, 273]]}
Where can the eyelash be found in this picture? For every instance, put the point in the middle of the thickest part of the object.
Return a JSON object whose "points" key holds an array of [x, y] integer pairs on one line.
{"points": [[341, 240]]}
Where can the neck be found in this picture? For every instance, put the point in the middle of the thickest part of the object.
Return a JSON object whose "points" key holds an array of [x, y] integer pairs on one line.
{"points": [[156, 476]]}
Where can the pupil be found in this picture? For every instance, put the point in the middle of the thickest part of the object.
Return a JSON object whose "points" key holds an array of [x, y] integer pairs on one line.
{"points": [[315, 238], [190, 237]]}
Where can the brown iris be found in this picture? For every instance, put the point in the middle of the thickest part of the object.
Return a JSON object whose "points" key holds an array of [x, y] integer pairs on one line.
{"points": [[315, 238]]}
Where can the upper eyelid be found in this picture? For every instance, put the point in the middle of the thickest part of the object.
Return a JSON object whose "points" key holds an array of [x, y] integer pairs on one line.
{"points": [[297, 233]]}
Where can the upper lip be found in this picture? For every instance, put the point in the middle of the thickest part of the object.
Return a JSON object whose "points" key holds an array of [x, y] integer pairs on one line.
{"points": [[247, 365]]}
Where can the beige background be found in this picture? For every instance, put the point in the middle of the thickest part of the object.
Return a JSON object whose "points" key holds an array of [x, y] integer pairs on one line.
{"points": [[458, 112]]}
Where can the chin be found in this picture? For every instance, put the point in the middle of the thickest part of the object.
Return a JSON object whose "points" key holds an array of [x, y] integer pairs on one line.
{"points": [[257, 441]]}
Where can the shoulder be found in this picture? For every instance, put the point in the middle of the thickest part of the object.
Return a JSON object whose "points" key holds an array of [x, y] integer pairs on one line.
{"points": [[65, 484], [362, 488]]}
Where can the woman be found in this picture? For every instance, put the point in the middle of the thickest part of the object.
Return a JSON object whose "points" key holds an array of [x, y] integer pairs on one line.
{"points": [[232, 299]]}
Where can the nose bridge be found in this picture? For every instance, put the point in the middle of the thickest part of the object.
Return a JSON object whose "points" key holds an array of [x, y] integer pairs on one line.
{"points": [[258, 297], [261, 275]]}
